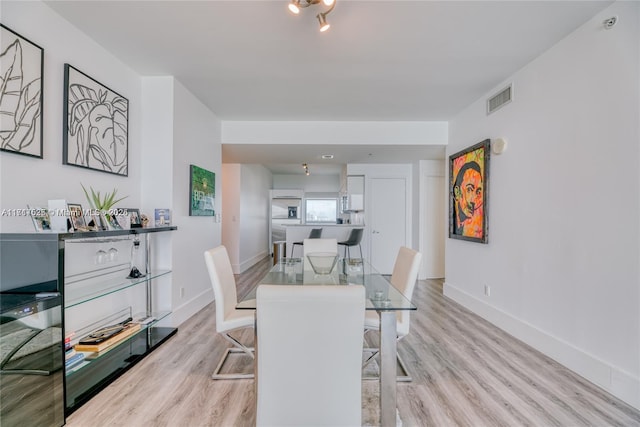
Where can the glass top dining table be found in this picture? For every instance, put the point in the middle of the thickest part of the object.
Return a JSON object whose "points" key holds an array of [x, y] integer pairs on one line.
{"points": [[382, 297]]}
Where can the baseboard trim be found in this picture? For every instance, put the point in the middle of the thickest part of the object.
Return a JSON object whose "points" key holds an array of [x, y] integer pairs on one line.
{"points": [[183, 312], [619, 383], [245, 265]]}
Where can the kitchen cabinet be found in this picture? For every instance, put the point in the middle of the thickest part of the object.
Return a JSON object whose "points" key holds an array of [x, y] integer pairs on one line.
{"points": [[354, 199]]}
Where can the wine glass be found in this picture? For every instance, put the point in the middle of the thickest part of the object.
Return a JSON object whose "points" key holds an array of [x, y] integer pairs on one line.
{"points": [[101, 256]]}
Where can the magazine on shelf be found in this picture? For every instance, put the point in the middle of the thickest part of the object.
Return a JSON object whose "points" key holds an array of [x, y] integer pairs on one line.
{"points": [[76, 358]]}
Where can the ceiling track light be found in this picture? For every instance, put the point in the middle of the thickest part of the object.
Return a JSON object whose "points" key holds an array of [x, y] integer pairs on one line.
{"points": [[306, 169], [296, 5]]}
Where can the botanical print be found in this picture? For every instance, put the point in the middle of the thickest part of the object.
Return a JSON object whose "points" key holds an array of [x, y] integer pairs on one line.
{"points": [[95, 126], [21, 65], [468, 193], [203, 192]]}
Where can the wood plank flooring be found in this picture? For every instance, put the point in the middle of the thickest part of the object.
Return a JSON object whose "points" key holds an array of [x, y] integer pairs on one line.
{"points": [[465, 371]]}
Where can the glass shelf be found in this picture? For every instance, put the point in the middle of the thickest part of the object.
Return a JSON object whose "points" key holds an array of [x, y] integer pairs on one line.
{"points": [[91, 357], [81, 293]]}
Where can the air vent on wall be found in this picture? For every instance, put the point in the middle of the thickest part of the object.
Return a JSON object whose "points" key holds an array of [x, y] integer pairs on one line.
{"points": [[499, 100]]}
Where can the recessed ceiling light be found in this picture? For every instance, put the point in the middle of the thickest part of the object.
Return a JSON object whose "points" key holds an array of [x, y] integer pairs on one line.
{"points": [[327, 156]]}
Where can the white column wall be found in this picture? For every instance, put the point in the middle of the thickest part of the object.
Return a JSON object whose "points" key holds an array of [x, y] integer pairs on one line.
{"points": [[196, 140], [562, 257], [157, 148], [255, 183], [431, 216], [231, 207]]}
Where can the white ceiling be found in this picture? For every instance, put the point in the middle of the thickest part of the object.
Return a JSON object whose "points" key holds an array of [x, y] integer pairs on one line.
{"points": [[381, 60]]}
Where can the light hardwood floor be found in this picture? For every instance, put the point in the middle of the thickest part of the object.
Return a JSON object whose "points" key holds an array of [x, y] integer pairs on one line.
{"points": [[466, 372]]}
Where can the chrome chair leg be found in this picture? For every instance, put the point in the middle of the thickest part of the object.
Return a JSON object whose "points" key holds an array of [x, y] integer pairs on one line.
{"points": [[404, 377], [238, 348]]}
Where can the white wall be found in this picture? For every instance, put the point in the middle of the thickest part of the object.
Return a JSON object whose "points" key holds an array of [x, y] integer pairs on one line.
{"points": [[245, 223], [311, 183], [196, 141], [25, 180], [231, 206], [430, 217], [156, 183], [255, 183], [562, 257]]}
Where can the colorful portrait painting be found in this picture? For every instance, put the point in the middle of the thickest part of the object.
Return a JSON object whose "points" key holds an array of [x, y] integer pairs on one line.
{"points": [[468, 193]]}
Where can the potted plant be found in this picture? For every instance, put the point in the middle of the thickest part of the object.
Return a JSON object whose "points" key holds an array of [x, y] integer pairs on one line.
{"points": [[102, 206]]}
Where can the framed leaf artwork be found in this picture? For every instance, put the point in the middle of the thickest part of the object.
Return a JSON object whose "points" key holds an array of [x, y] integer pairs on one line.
{"points": [[21, 89], [469, 193], [95, 127]]}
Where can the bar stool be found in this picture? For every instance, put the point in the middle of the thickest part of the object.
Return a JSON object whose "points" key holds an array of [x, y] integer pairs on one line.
{"points": [[355, 237], [315, 233]]}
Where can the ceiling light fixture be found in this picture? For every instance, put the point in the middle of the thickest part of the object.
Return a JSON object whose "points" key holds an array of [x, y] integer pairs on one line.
{"points": [[296, 5], [327, 156], [306, 169]]}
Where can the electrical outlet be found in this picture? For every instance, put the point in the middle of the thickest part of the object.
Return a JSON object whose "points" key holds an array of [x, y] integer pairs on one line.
{"points": [[487, 290], [181, 292]]}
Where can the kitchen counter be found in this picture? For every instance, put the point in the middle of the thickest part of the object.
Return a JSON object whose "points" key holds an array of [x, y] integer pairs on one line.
{"points": [[321, 225], [299, 232]]}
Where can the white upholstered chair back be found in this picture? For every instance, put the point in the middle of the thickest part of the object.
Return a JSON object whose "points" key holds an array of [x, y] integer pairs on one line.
{"points": [[403, 278], [318, 245], [224, 286], [309, 355]]}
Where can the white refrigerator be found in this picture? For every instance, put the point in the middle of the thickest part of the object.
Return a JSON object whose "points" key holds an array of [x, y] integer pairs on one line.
{"points": [[284, 211]]}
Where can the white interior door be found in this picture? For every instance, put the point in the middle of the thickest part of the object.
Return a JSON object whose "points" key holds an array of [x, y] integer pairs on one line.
{"points": [[388, 221]]}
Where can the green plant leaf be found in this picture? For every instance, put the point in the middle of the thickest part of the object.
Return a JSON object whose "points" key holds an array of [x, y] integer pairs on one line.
{"points": [[89, 199], [100, 203]]}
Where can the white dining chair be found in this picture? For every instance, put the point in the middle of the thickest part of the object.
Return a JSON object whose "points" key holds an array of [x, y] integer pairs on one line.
{"points": [[403, 278], [228, 318], [320, 245], [316, 246], [309, 355]]}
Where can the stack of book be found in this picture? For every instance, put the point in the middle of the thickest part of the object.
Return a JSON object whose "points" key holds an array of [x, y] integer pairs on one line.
{"points": [[71, 356], [106, 337]]}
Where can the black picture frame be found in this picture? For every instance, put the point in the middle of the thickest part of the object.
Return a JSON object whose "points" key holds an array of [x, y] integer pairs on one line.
{"points": [[134, 217], [469, 193], [22, 69], [95, 125]]}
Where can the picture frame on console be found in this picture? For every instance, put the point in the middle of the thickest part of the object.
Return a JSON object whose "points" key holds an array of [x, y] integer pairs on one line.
{"points": [[76, 216], [40, 218], [135, 221]]}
